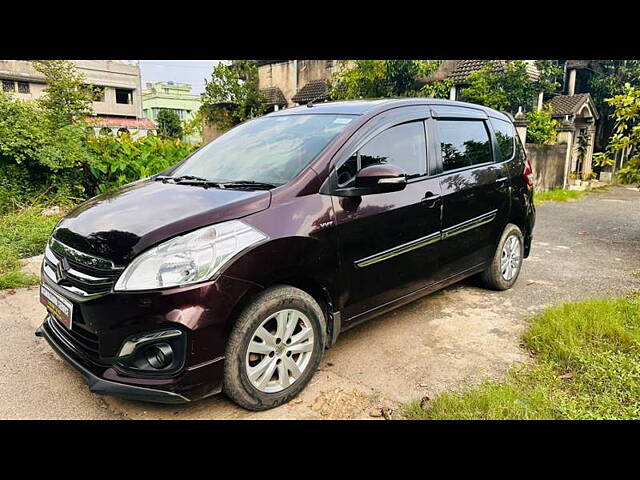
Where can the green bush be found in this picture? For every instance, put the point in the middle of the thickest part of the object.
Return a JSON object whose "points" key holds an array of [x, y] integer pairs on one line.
{"points": [[38, 159], [116, 161], [542, 127]]}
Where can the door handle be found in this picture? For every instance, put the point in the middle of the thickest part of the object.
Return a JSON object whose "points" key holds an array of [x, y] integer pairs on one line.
{"points": [[430, 199], [503, 179]]}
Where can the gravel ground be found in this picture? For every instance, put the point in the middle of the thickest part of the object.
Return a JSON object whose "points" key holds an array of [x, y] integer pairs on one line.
{"points": [[451, 339]]}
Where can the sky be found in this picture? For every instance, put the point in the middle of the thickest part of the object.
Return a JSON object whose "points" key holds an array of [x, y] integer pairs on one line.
{"points": [[192, 72]]}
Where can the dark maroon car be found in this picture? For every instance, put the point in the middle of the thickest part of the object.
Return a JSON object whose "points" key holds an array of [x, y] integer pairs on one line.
{"points": [[233, 270]]}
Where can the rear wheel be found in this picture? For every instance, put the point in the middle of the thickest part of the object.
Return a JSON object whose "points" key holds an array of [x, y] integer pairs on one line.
{"points": [[507, 260], [274, 349]]}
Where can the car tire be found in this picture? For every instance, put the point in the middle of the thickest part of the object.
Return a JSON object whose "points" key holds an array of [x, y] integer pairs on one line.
{"points": [[257, 348], [504, 269]]}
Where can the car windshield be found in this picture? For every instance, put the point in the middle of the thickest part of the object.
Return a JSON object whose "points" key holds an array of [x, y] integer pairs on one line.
{"points": [[271, 149]]}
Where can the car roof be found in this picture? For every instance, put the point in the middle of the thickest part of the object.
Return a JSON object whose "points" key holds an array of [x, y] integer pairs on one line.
{"points": [[362, 107]]}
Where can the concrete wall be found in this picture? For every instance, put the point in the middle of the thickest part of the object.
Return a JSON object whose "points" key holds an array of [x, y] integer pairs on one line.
{"points": [[548, 162], [291, 75]]}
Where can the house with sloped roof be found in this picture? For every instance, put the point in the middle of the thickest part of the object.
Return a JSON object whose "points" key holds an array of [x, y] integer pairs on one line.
{"points": [[288, 83], [576, 113]]}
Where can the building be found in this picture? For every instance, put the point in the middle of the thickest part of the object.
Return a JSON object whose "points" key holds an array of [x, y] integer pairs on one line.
{"points": [[176, 97], [117, 109], [287, 83]]}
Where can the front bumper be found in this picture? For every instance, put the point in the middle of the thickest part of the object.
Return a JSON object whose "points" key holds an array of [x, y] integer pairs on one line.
{"points": [[203, 312], [100, 385]]}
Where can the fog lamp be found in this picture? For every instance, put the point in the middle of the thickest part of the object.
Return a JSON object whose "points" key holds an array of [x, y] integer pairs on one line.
{"points": [[159, 355]]}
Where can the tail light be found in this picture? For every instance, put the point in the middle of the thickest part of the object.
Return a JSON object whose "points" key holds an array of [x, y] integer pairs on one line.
{"points": [[528, 173]]}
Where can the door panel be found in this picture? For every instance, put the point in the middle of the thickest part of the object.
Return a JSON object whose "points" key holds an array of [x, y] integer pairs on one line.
{"points": [[475, 203], [388, 241], [475, 195], [388, 244]]}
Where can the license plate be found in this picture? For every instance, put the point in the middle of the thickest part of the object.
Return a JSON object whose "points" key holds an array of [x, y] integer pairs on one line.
{"points": [[58, 306]]}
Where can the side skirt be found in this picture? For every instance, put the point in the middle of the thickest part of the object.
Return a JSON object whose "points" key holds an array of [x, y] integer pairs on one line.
{"points": [[398, 302]]}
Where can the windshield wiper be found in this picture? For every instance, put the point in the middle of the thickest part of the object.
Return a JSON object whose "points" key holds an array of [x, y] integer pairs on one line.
{"points": [[193, 180], [248, 184], [188, 180]]}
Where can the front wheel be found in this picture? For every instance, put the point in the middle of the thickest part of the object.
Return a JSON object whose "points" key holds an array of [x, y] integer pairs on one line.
{"points": [[274, 348], [504, 269]]}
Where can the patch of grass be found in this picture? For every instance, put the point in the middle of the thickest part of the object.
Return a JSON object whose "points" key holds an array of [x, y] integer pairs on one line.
{"points": [[22, 234], [557, 195], [587, 367]]}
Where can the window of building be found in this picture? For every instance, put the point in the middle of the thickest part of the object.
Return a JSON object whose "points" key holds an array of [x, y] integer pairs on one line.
{"points": [[124, 95], [506, 135], [23, 87], [403, 146], [463, 143], [8, 86]]}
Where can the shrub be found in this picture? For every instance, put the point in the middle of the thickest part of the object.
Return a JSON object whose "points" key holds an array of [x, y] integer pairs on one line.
{"points": [[116, 161], [36, 157], [542, 127]]}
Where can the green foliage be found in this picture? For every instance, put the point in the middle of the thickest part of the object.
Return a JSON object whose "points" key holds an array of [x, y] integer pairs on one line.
{"points": [[510, 88], [68, 99], [232, 96], [385, 78], [116, 161], [501, 90], [541, 126], [587, 367], [193, 126], [626, 134], [23, 234], [608, 79], [36, 156], [169, 125], [438, 89]]}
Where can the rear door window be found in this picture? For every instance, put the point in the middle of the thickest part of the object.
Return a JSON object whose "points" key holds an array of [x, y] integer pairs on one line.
{"points": [[506, 136], [463, 143]]}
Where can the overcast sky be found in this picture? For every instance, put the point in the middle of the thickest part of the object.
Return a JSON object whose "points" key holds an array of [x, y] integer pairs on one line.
{"points": [[192, 72]]}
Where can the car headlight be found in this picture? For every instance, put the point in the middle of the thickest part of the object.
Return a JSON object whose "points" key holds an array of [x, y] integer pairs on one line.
{"points": [[189, 258]]}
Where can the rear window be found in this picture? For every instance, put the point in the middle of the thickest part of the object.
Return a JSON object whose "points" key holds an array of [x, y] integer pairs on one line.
{"points": [[506, 135], [463, 143]]}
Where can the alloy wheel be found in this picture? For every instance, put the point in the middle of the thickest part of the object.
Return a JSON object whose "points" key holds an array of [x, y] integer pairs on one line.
{"points": [[510, 258], [279, 351]]}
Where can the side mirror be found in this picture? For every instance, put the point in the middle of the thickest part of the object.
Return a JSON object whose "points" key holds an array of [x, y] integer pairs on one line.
{"points": [[376, 179]]}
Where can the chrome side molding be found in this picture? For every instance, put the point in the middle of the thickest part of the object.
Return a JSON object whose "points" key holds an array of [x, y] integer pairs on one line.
{"points": [[399, 250], [469, 224]]}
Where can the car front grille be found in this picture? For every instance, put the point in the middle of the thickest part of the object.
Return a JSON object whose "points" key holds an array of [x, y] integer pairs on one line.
{"points": [[78, 336], [78, 272]]}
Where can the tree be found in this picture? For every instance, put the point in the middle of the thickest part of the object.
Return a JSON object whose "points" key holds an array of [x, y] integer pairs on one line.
{"points": [[385, 78], [510, 88], [169, 125], [608, 78], [232, 96], [68, 99], [625, 140]]}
